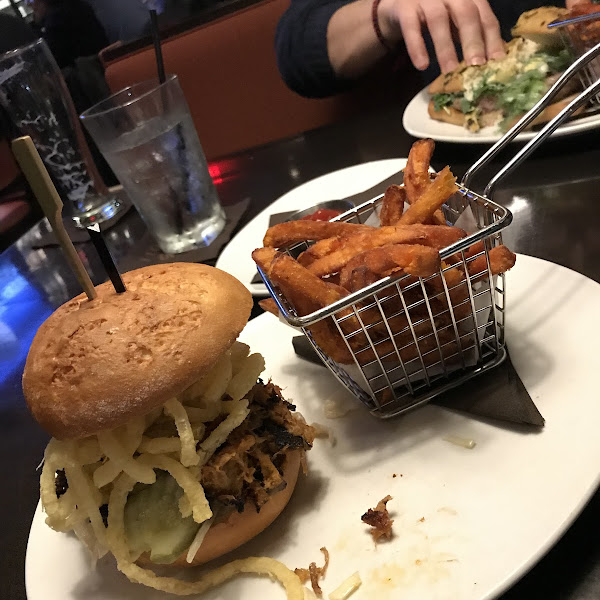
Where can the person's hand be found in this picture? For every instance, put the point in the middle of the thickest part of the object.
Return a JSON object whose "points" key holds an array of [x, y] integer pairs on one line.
{"points": [[477, 26]]}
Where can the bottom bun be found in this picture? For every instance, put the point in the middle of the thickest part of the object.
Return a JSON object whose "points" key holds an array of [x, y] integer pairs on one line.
{"points": [[449, 114], [452, 115], [240, 528]]}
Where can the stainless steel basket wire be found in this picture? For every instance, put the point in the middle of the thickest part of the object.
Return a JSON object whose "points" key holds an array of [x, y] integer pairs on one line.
{"points": [[411, 339]]}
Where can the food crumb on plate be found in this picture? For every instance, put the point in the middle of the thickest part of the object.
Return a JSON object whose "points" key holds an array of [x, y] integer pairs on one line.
{"points": [[314, 573], [379, 519]]}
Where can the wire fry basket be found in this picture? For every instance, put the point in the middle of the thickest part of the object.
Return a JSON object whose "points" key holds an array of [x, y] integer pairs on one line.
{"points": [[410, 339]]}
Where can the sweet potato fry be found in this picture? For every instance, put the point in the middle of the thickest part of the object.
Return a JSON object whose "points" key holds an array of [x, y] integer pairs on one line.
{"points": [[268, 305], [405, 340], [383, 235], [471, 251], [289, 275], [263, 257], [417, 177], [320, 249], [392, 205], [292, 232], [443, 186], [359, 278], [328, 338], [437, 218], [306, 293], [332, 256], [501, 260], [457, 290], [416, 172], [474, 249], [420, 261]]}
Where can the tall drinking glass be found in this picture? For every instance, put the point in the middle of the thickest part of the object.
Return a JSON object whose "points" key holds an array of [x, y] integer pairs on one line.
{"points": [[147, 136], [35, 96]]}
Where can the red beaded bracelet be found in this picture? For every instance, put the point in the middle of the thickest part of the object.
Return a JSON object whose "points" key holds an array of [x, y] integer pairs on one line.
{"points": [[375, 18]]}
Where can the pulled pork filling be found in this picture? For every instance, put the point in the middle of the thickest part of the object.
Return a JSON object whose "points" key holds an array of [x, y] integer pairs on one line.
{"points": [[249, 466]]}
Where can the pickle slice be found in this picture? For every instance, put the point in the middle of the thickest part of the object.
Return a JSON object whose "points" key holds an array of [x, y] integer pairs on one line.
{"points": [[153, 522]]}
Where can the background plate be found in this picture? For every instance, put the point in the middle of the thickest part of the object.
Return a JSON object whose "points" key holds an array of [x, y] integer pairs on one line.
{"points": [[418, 123], [236, 256], [468, 523]]}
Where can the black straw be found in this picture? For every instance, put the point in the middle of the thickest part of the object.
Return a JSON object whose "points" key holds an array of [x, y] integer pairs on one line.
{"points": [[106, 258], [160, 65]]}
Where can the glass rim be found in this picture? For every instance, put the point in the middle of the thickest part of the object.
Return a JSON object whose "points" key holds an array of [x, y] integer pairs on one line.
{"points": [[97, 110], [21, 49]]}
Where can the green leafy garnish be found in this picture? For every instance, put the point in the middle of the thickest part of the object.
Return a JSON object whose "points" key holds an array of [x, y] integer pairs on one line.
{"points": [[440, 101], [556, 61], [487, 87], [522, 92], [466, 106]]}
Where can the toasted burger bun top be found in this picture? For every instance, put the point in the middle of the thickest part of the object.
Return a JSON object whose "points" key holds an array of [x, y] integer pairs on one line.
{"points": [[94, 365], [533, 25]]}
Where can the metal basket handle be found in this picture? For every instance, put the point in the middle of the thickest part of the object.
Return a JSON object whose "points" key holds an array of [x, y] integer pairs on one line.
{"points": [[510, 135], [550, 127]]}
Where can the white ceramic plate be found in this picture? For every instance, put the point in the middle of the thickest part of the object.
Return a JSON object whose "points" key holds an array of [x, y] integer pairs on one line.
{"points": [[468, 523], [418, 123], [236, 256]]}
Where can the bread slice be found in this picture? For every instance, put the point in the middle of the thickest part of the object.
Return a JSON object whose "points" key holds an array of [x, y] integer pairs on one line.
{"points": [[533, 25], [449, 83], [448, 114]]}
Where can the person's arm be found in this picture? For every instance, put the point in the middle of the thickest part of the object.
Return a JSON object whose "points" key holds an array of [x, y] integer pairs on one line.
{"points": [[354, 47], [352, 43], [301, 48], [322, 45]]}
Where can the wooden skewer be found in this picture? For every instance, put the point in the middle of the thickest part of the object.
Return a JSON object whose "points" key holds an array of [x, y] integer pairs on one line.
{"points": [[37, 176]]}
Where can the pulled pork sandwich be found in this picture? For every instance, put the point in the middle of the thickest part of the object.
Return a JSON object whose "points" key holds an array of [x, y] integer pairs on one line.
{"points": [[501, 91], [167, 448]]}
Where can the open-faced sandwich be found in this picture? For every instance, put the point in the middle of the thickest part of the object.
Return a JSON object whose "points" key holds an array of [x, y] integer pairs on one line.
{"points": [[503, 90]]}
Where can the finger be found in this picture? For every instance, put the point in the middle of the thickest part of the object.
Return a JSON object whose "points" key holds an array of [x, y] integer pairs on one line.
{"points": [[494, 45], [413, 38], [466, 17], [438, 22]]}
